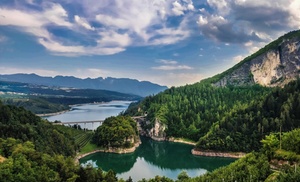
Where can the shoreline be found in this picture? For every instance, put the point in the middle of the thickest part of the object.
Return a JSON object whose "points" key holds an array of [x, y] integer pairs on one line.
{"points": [[53, 114], [179, 140], [235, 155], [109, 150], [194, 151], [74, 105]]}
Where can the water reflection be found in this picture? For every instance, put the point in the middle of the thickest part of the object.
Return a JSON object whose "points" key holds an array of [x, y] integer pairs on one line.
{"points": [[156, 158]]}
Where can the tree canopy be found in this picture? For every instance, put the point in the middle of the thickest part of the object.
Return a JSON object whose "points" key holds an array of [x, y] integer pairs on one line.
{"points": [[120, 131]]}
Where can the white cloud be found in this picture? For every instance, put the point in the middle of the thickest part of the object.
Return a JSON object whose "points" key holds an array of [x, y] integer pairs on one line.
{"points": [[169, 65], [36, 23], [112, 38], [120, 24], [202, 20], [172, 67], [178, 8], [237, 59], [146, 20], [164, 61], [59, 49], [20, 18], [56, 14], [221, 5], [191, 7], [82, 22]]}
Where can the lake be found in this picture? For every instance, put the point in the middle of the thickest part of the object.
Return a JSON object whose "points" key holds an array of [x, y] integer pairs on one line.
{"points": [[91, 112], [155, 158], [150, 159]]}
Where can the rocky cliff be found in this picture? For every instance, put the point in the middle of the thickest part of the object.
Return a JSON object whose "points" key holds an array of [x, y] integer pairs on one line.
{"points": [[276, 65]]}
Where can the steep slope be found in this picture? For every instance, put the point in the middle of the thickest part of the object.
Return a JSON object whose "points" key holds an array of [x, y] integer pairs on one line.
{"points": [[274, 65], [123, 85], [234, 110]]}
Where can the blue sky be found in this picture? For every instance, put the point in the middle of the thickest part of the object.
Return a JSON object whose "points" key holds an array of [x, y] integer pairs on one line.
{"points": [[169, 42]]}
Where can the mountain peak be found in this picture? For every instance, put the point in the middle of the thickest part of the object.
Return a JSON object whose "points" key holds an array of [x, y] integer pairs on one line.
{"points": [[274, 65]]}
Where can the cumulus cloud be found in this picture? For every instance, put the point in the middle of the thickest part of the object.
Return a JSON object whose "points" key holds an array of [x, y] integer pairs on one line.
{"points": [[145, 19], [221, 29], [177, 8], [241, 21]]}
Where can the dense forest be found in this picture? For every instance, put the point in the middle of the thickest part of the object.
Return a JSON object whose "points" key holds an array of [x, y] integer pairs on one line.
{"points": [[242, 129], [256, 166], [190, 111], [231, 118], [37, 105], [32, 149], [23, 125], [117, 132]]}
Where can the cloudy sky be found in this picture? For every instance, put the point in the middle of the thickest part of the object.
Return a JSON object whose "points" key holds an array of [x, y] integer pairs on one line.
{"points": [[169, 42]]}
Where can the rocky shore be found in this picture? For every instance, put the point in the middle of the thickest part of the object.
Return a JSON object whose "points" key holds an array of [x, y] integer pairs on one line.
{"points": [[181, 141], [110, 150], [236, 155]]}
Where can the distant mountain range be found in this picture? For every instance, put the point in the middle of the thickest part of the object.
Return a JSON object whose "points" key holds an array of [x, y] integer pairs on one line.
{"points": [[123, 85]]}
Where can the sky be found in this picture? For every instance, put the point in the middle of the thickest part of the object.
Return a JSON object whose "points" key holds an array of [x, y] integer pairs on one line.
{"points": [[168, 42]]}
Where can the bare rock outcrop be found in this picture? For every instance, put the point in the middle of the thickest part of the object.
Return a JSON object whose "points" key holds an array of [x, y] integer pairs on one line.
{"points": [[275, 67]]}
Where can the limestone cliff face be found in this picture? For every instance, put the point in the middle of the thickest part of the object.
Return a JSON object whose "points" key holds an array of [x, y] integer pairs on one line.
{"points": [[276, 67], [158, 131]]}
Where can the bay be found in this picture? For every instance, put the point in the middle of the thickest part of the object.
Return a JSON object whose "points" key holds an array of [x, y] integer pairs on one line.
{"points": [[155, 158]]}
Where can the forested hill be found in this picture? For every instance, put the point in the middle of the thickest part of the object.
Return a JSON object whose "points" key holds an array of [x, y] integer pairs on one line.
{"points": [[224, 118], [32, 149], [23, 125], [232, 114]]}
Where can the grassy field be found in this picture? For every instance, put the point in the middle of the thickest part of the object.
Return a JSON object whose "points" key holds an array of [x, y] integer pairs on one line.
{"points": [[89, 147]]}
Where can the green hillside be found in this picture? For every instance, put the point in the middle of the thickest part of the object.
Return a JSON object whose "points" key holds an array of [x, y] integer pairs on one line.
{"points": [[32, 149]]}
